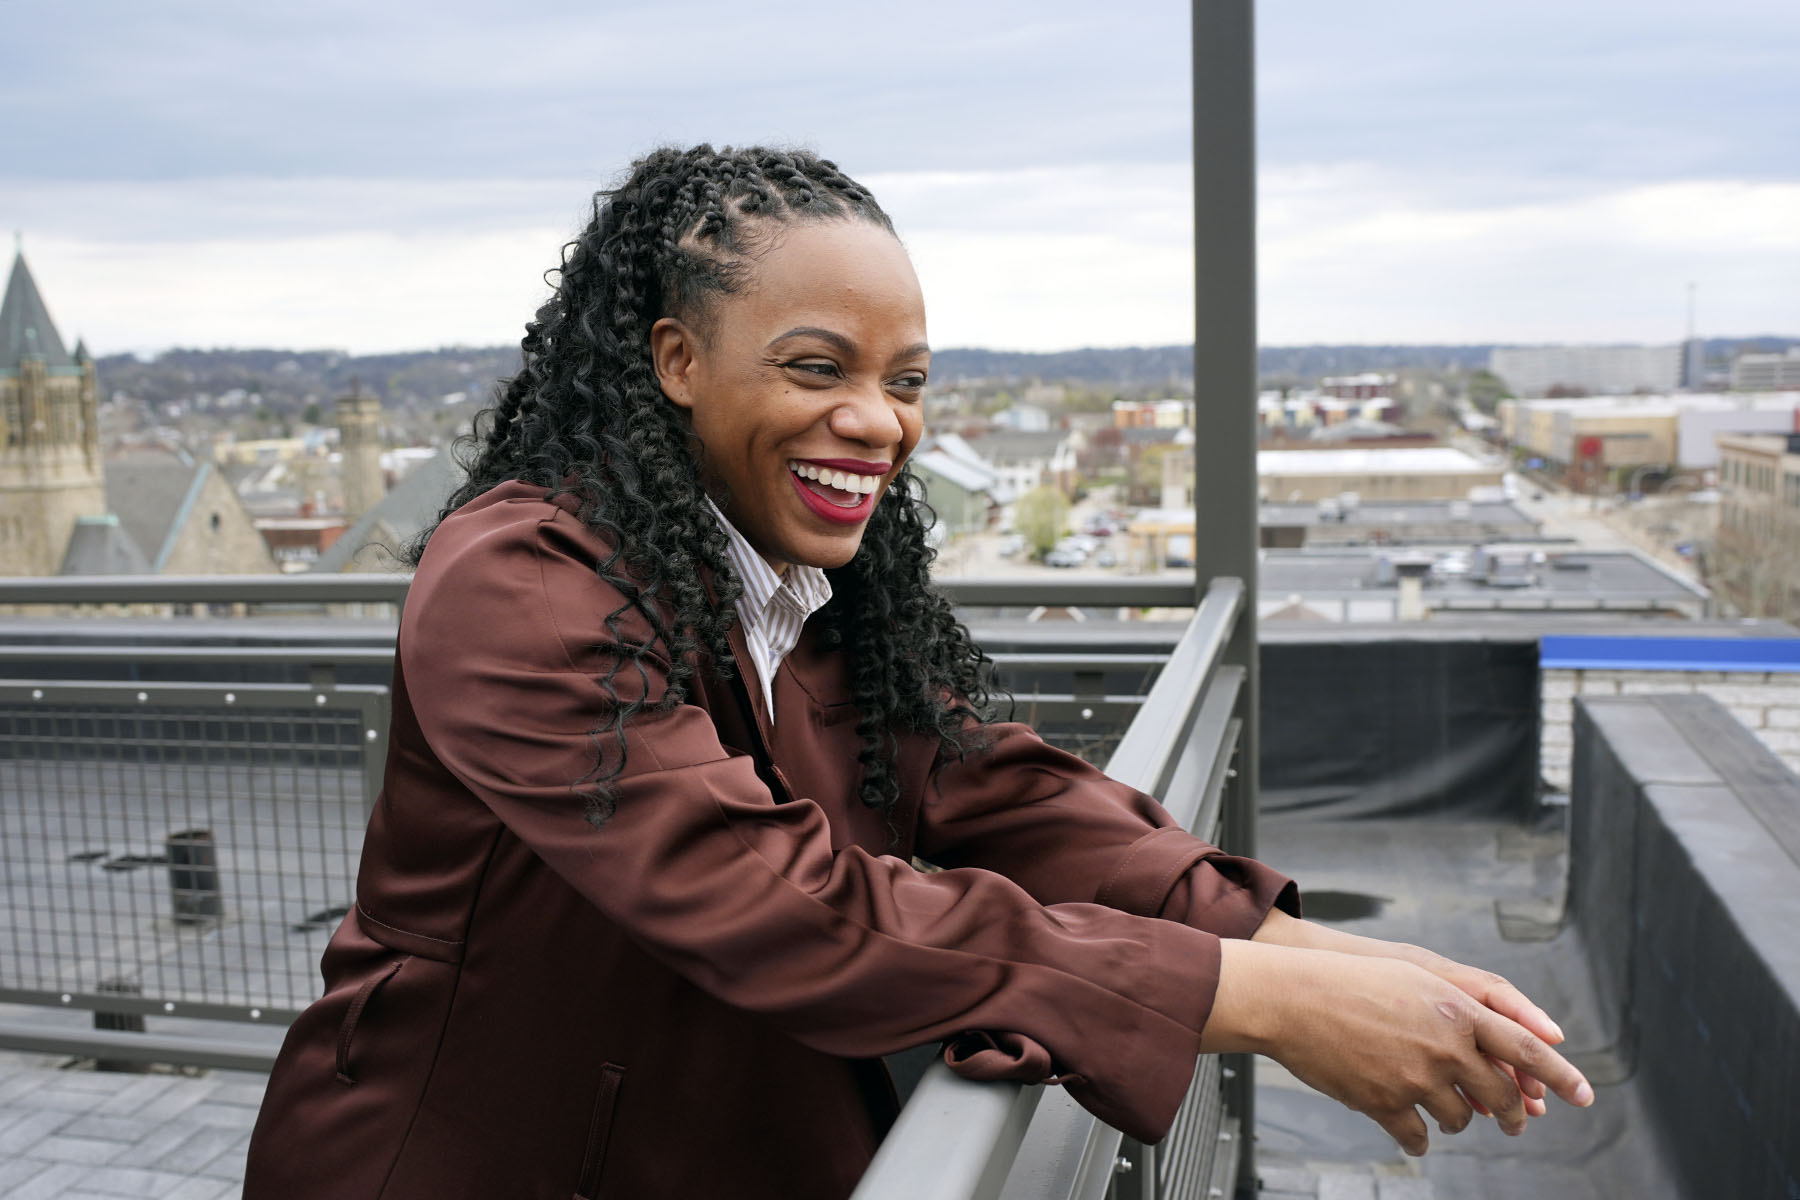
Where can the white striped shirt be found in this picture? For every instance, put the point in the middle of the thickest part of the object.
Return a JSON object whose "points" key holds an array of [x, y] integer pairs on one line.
{"points": [[773, 607]]}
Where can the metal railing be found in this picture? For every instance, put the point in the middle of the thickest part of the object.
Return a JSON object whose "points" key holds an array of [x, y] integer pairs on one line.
{"points": [[959, 1140], [1174, 590], [116, 904], [177, 849]]}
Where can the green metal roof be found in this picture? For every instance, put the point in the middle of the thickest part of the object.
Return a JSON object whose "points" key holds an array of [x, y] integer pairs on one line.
{"points": [[26, 330]]}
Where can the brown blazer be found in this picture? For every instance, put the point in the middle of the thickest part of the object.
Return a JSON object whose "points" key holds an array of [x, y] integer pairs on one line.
{"points": [[691, 1001]]}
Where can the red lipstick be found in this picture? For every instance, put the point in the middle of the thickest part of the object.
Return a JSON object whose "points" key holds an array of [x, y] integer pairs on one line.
{"points": [[856, 514]]}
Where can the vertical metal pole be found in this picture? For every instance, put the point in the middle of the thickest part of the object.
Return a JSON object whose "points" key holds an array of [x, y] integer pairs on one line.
{"points": [[1225, 383]]}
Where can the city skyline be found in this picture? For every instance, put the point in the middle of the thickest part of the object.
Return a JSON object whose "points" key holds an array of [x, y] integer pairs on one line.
{"points": [[335, 177]]}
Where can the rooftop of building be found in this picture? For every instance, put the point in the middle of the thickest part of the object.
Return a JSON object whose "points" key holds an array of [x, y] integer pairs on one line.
{"points": [[1510, 575], [1390, 513], [963, 474], [1429, 460], [1009, 445], [409, 506], [150, 490]]}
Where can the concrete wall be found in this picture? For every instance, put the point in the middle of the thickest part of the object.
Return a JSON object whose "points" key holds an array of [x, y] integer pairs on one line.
{"points": [[1766, 702], [1684, 889]]}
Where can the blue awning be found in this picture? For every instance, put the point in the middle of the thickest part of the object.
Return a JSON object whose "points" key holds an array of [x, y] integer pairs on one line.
{"points": [[1669, 653]]}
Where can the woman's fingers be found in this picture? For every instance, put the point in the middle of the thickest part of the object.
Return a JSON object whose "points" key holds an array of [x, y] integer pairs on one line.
{"points": [[1533, 1089], [1449, 1108], [1507, 1041], [1485, 1082], [1406, 1127]]}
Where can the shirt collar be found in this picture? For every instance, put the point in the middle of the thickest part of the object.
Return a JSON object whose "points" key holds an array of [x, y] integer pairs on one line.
{"points": [[804, 587]]}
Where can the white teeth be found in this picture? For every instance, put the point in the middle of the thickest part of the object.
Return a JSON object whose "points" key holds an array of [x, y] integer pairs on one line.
{"points": [[864, 485]]}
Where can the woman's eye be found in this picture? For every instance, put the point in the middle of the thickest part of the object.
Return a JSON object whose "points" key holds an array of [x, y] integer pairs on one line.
{"points": [[909, 385], [826, 370]]}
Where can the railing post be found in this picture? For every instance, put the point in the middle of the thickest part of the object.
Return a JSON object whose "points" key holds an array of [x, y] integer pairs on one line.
{"points": [[1225, 387]]}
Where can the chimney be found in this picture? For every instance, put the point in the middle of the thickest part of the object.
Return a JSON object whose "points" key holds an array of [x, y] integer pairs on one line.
{"points": [[1412, 574], [359, 438]]}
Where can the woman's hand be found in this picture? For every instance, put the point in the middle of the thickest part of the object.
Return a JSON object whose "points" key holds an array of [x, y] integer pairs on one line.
{"points": [[1488, 988], [1382, 1036]]}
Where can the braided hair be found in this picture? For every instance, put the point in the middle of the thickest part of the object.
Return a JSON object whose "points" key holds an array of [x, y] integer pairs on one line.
{"points": [[586, 416]]}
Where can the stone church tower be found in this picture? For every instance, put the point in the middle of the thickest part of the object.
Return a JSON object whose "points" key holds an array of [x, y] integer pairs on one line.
{"points": [[50, 468], [359, 438]]}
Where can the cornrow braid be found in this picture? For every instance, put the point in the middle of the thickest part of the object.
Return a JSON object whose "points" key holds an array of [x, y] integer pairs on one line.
{"points": [[585, 416]]}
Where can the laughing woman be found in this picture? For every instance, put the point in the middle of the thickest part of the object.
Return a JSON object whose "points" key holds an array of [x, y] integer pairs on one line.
{"points": [[674, 709]]}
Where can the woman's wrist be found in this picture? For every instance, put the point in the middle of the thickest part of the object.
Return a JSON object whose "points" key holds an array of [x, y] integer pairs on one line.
{"points": [[1256, 984]]}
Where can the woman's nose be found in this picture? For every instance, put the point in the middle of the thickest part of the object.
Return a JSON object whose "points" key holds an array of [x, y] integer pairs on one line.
{"points": [[867, 415]]}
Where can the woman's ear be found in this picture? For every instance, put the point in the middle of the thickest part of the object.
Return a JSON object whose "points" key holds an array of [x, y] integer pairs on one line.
{"points": [[673, 351]]}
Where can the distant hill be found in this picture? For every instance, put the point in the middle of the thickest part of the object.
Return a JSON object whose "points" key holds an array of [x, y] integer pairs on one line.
{"points": [[1151, 365], [285, 381]]}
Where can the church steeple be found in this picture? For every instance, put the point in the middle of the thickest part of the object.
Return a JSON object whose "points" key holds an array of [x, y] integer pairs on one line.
{"points": [[50, 468], [26, 330]]}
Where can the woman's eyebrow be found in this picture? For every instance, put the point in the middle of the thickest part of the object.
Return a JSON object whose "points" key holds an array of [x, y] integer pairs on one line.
{"points": [[836, 341]]}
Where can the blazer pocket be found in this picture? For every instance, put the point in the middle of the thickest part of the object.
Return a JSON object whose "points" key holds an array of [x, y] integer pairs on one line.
{"points": [[593, 1158], [359, 1004]]}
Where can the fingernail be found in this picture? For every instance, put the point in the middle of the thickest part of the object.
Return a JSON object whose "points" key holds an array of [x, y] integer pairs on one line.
{"points": [[1584, 1095], [1559, 1033]]}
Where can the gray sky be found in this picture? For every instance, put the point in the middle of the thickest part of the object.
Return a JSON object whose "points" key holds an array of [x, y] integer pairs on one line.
{"points": [[400, 175]]}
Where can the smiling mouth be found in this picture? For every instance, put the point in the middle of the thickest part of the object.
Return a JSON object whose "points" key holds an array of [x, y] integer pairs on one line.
{"points": [[842, 489]]}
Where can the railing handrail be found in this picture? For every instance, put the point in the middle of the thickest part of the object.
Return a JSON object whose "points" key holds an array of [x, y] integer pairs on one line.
{"points": [[956, 1139], [383, 655], [301, 588], [1172, 591]]}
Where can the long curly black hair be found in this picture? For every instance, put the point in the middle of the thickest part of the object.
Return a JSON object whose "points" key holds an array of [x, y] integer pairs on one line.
{"points": [[586, 416]]}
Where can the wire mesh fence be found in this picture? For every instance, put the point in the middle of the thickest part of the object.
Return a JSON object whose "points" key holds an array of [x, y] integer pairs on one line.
{"points": [[179, 848]]}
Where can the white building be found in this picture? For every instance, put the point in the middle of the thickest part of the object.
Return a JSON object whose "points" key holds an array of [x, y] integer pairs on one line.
{"points": [[1022, 418], [1534, 370], [1766, 372], [1697, 428], [1024, 461]]}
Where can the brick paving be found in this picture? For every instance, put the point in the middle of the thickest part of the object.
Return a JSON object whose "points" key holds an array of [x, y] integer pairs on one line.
{"points": [[73, 1134]]}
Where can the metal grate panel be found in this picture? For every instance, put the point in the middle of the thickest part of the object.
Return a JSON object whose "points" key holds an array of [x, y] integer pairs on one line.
{"points": [[179, 849]]}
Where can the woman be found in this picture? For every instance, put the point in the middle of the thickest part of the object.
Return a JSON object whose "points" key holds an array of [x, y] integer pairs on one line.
{"points": [[674, 708]]}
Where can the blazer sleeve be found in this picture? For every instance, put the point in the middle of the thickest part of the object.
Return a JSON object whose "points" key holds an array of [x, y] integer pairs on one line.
{"points": [[506, 632], [1065, 832]]}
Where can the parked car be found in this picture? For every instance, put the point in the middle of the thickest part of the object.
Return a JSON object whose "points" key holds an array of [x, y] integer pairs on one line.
{"points": [[1064, 558]]}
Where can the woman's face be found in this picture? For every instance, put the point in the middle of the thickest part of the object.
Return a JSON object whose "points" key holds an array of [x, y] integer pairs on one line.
{"points": [[806, 392]]}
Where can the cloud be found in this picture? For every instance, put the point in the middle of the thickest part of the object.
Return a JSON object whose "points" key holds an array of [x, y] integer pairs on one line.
{"points": [[362, 292], [411, 89], [1347, 256], [1045, 258]]}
